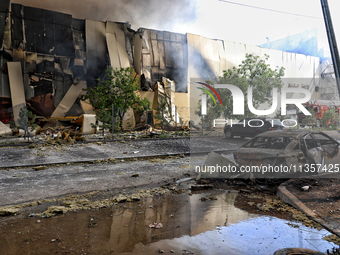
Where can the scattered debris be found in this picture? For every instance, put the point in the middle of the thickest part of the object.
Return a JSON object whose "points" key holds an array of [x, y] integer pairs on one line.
{"points": [[177, 191], [201, 187], [184, 180], [263, 187], [80, 202], [208, 197], [293, 225], [39, 168], [246, 191], [187, 252], [203, 199], [332, 238], [156, 225], [305, 188], [135, 175], [9, 211]]}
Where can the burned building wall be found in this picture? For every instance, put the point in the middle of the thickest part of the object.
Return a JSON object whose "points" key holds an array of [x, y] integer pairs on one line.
{"points": [[164, 54]]}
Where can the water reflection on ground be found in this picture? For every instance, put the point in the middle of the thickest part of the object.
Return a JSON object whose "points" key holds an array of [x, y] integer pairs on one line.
{"points": [[189, 225]]}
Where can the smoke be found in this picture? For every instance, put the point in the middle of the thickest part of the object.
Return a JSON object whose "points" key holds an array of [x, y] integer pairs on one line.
{"points": [[155, 14]]}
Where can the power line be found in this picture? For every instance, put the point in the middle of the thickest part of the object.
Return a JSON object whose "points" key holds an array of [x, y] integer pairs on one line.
{"points": [[266, 9]]}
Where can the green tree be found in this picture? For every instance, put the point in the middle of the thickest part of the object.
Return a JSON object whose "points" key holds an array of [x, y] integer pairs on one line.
{"points": [[330, 119], [252, 72], [26, 120], [118, 89], [214, 111]]}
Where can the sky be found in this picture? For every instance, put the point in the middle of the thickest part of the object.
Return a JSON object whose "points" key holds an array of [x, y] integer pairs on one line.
{"points": [[232, 20]]}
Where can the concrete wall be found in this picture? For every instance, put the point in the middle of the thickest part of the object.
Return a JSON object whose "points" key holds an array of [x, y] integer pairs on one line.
{"points": [[207, 58]]}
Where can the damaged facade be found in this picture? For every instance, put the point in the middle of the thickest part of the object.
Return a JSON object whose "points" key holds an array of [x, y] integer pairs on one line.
{"points": [[48, 57]]}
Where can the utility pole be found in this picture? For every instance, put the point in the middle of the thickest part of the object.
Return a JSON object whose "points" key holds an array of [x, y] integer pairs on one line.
{"points": [[332, 42]]}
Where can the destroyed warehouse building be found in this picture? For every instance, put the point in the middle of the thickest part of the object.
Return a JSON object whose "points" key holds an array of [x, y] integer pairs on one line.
{"points": [[48, 57]]}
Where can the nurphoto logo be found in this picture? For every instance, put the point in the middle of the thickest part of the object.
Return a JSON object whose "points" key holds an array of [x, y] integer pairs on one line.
{"points": [[238, 99]]}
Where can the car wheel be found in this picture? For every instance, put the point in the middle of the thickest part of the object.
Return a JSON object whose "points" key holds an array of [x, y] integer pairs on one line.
{"points": [[229, 134]]}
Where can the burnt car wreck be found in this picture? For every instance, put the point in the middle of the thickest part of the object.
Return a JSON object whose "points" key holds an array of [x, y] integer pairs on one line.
{"points": [[287, 153]]}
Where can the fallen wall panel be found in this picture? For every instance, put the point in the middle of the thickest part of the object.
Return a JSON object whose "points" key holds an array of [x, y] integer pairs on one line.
{"points": [[69, 99], [17, 87], [5, 130]]}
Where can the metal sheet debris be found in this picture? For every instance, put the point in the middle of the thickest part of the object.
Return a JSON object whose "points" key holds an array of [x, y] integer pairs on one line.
{"points": [[17, 87], [69, 99], [5, 130], [115, 39]]}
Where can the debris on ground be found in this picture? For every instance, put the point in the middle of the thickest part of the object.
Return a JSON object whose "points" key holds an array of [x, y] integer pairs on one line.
{"points": [[156, 225], [332, 238], [10, 210], [270, 204], [177, 191], [184, 180], [81, 202], [208, 197], [305, 188], [39, 168], [201, 187]]}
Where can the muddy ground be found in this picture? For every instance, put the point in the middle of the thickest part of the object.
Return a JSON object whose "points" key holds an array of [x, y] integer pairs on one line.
{"points": [[193, 222], [85, 194], [322, 196]]}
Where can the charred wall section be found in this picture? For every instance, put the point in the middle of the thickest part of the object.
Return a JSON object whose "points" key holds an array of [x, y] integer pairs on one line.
{"points": [[164, 54]]}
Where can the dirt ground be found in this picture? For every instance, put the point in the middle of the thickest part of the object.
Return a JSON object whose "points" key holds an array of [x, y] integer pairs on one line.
{"points": [[323, 195]]}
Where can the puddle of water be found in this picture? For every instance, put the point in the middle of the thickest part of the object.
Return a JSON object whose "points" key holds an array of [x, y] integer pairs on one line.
{"points": [[210, 227]]}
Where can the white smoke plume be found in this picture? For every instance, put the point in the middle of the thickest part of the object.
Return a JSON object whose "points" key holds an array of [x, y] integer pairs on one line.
{"points": [[154, 14]]}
